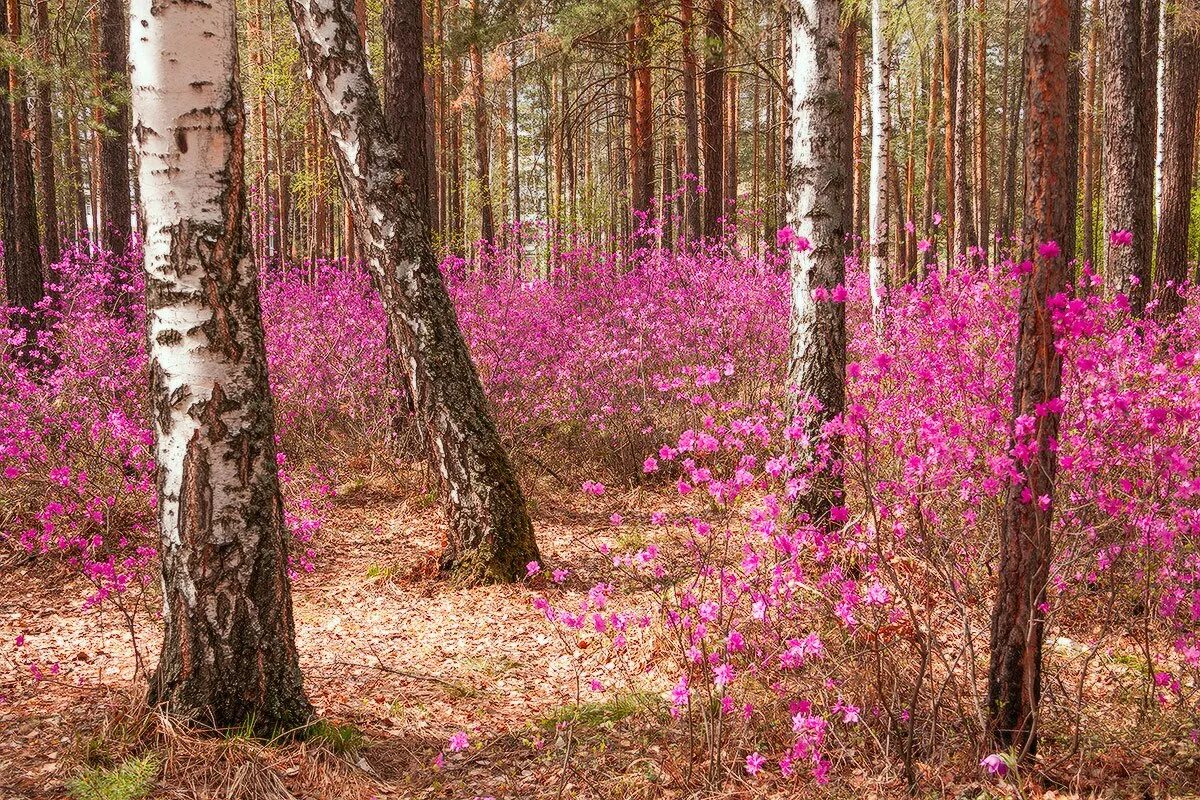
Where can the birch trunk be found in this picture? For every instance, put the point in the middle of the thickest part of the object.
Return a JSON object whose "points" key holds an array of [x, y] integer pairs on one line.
{"points": [[877, 194], [228, 654], [816, 193], [491, 537]]}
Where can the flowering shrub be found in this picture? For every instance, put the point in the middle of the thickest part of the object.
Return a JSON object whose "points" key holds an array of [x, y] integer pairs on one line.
{"points": [[76, 446], [782, 648], [790, 647]]}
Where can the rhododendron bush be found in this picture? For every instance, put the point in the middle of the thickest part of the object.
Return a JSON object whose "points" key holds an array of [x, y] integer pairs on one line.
{"points": [[782, 647]]}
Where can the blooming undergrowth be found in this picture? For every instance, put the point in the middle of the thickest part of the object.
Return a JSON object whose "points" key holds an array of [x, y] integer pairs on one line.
{"points": [[783, 649]]}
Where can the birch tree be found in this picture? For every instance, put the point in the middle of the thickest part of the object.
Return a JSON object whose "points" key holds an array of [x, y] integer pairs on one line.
{"points": [[816, 192], [877, 194], [228, 653], [491, 537]]}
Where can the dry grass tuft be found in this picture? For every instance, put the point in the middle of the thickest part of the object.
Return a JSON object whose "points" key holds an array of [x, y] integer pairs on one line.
{"points": [[205, 765]]}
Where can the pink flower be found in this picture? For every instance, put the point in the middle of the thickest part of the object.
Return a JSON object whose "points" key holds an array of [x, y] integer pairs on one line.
{"points": [[754, 762], [1121, 238], [532, 568], [1049, 249], [788, 238], [923, 245], [995, 765], [459, 742], [937, 218]]}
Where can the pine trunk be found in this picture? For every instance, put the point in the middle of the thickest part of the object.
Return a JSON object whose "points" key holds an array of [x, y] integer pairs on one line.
{"points": [[23, 269], [714, 119], [691, 124], [1181, 95], [115, 206], [1018, 618], [44, 133], [1127, 175]]}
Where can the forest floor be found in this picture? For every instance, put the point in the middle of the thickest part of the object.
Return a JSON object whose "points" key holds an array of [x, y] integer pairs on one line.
{"points": [[395, 662], [388, 652]]}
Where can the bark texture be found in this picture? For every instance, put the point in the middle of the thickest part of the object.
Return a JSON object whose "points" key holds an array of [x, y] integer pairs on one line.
{"points": [[44, 133], [404, 89], [1181, 96], [641, 132], [491, 537], [1128, 174], [115, 205], [228, 656], [691, 123], [1018, 618], [24, 287], [714, 118], [816, 193]]}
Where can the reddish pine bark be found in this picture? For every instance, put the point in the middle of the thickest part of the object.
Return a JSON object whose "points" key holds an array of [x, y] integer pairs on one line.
{"points": [[1018, 617]]}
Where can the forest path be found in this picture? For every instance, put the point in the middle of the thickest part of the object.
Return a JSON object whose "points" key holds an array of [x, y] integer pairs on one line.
{"points": [[405, 658]]}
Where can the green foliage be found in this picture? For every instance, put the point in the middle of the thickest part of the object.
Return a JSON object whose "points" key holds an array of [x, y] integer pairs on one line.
{"points": [[343, 739], [132, 779], [605, 713]]}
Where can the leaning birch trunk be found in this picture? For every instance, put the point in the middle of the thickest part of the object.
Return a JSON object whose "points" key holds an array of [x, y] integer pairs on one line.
{"points": [[228, 655], [491, 538], [816, 193], [877, 196]]}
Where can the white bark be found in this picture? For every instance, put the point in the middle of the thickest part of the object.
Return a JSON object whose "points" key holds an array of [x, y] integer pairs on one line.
{"points": [[228, 649], [815, 199], [877, 196]]}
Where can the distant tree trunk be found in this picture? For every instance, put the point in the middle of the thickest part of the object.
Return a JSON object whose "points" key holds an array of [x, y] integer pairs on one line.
{"points": [[23, 275], [929, 196], [816, 192], [516, 147], [714, 118], [483, 165], [24, 287], [491, 537], [229, 654], [1127, 175], [115, 207], [1018, 618], [964, 233], [44, 124], [641, 134], [982, 197], [949, 123], [848, 78], [729, 166], [880, 131], [404, 110], [78, 175], [861, 131], [1181, 94], [1014, 140], [1089, 137], [1002, 142], [691, 122]]}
